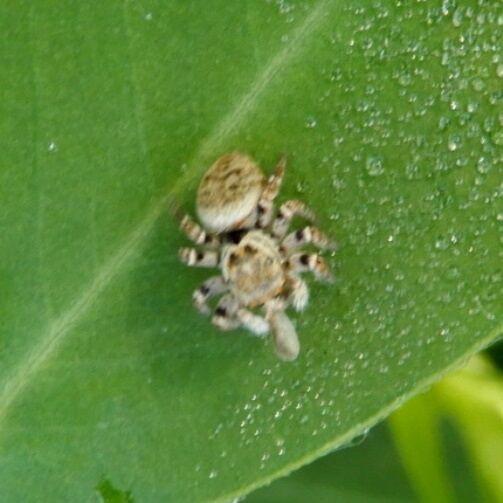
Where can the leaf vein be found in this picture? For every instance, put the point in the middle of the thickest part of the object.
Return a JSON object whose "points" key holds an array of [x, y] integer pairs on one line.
{"points": [[51, 341]]}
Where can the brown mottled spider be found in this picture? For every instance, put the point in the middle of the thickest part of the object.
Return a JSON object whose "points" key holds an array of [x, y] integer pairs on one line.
{"points": [[260, 263]]}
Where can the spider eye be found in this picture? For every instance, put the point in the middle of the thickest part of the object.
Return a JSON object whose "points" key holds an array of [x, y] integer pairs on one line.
{"points": [[233, 258]]}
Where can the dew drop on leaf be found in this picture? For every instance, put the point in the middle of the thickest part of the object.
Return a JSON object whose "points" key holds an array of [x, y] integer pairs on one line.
{"points": [[374, 165]]}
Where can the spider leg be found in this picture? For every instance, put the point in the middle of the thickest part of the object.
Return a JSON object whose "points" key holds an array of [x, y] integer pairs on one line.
{"points": [[225, 313], [284, 335], [307, 235], [211, 287], [229, 315], [285, 214], [300, 262], [197, 234], [264, 207], [299, 293], [253, 322], [193, 257]]}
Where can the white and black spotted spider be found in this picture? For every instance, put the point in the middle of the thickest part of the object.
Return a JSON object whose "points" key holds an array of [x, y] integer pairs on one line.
{"points": [[260, 263]]}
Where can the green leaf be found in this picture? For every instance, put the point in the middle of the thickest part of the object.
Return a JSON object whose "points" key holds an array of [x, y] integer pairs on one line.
{"points": [[471, 399], [111, 112], [416, 429]]}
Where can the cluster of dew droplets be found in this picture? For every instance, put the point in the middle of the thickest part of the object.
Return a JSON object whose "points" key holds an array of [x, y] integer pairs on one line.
{"points": [[461, 98], [414, 131]]}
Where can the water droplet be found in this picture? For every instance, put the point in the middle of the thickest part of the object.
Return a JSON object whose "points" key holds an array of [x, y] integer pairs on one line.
{"points": [[498, 138], [457, 18], [52, 147], [478, 85], [447, 6], [284, 7], [442, 244], [213, 474], [404, 79], [374, 166], [311, 122], [300, 187], [443, 122], [453, 142], [483, 166], [337, 183]]}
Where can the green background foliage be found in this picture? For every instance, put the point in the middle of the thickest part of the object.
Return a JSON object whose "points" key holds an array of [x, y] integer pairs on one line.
{"points": [[109, 114]]}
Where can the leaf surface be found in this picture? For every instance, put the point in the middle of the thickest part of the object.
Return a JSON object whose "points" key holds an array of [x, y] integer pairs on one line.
{"points": [[110, 114]]}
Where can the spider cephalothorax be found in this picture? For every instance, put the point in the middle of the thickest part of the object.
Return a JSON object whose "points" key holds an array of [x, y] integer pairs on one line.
{"points": [[259, 262]]}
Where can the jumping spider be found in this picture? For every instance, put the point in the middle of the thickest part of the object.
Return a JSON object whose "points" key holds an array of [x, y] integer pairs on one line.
{"points": [[259, 262]]}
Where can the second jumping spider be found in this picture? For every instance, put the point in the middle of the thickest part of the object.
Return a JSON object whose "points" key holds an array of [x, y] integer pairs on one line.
{"points": [[260, 262]]}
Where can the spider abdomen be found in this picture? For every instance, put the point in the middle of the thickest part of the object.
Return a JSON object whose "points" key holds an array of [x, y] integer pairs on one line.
{"points": [[229, 192]]}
